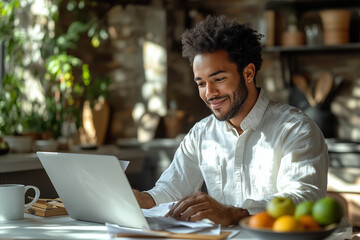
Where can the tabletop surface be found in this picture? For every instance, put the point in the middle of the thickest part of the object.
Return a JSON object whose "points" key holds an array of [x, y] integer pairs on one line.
{"points": [[63, 227]]}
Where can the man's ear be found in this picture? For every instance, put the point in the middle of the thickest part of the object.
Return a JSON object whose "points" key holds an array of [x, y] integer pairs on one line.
{"points": [[249, 73]]}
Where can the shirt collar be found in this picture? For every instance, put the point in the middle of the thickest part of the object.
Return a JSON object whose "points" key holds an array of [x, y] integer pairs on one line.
{"points": [[255, 115]]}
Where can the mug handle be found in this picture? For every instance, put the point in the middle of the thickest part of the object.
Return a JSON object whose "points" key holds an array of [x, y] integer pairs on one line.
{"points": [[37, 195]]}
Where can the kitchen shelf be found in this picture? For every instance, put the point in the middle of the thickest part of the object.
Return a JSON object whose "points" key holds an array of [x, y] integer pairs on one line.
{"points": [[311, 5], [323, 49], [288, 55]]}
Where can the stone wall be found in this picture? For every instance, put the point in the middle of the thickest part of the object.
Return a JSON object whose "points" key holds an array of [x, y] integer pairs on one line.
{"points": [[138, 82]]}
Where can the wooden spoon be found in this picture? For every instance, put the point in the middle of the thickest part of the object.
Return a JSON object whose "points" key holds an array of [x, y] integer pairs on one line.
{"points": [[302, 85], [323, 87]]}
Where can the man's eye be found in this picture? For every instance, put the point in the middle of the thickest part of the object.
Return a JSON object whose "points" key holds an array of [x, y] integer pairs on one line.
{"points": [[200, 84], [219, 79]]}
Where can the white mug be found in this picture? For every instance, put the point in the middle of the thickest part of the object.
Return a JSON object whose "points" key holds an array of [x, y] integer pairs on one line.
{"points": [[12, 201]]}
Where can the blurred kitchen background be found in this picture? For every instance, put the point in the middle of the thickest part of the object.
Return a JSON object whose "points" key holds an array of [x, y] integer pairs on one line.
{"points": [[107, 77]]}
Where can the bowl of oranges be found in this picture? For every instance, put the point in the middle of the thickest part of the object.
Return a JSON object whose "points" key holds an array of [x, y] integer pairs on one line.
{"points": [[308, 220]]}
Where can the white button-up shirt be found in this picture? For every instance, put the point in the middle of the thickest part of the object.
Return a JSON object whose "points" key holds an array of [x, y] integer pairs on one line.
{"points": [[281, 152]]}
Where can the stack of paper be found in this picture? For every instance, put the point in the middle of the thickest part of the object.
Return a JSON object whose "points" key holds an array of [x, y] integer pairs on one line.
{"points": [[170, 228]]}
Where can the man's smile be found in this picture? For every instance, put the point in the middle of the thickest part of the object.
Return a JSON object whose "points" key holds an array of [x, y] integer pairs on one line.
{"points": [[215, 103]]}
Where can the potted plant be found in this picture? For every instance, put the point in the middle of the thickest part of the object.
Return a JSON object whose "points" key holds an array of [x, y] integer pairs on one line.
{"points": [[69, 83]]}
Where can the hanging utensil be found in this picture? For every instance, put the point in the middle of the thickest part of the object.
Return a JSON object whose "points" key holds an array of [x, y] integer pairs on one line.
{"points": [[301, 83], [323, 87]]}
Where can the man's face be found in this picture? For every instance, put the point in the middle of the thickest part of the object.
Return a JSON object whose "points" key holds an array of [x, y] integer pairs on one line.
{"points": [[220, 86]]}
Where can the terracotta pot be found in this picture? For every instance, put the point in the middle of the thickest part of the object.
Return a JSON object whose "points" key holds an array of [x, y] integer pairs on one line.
{"points": [[336, 37], [95, 122], [336, 23], [292, 38], [335, 19]]}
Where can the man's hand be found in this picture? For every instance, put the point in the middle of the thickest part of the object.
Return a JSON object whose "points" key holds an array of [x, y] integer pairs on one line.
{"points": [[144, 199], [199, 206]]}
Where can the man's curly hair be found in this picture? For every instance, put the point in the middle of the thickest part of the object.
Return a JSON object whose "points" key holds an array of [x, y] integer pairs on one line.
{"points": [[217, 33]]}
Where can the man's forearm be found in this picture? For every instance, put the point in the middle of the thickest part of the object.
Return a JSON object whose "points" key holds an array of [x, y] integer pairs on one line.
{"points": [[144, 199]]}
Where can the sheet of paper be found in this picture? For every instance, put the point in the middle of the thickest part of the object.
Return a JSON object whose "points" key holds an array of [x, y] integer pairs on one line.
{"points": [[159, 210], [165, 223], [124, 164], [116, 229], [171, 224], [215, 230], [233, 233]]}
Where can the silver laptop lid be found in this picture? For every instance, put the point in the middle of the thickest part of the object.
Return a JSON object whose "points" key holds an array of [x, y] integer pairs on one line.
{"points": [[93, 188]]}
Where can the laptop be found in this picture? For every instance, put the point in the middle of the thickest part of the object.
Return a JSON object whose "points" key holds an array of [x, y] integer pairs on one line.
{"points": [[93, 188]]}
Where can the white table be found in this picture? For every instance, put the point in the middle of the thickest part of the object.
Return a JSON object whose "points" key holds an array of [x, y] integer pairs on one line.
{"points": [[59, 227], [63, 227]]}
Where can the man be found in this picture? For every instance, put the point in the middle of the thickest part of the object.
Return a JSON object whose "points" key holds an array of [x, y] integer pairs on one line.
{"points": [[250, 149]]}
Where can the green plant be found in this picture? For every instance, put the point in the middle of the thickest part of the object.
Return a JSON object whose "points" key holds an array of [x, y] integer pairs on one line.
{"points": [[12, 117], [98, 88], [12, 87], [66, 79]]}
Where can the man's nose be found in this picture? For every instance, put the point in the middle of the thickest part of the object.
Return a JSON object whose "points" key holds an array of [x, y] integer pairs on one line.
{"points": [[211, 91]]}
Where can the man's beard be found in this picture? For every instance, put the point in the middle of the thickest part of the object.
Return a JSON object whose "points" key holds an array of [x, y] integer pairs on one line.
{"points": [[236, 102]]}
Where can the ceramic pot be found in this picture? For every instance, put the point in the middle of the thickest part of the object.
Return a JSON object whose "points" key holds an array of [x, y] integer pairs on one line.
{"points": [[293, 38], [95, 122], [336, 23]]}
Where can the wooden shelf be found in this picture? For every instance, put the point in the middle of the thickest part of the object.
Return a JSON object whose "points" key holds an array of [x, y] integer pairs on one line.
{"points": [[323, 49], [288, 55], [281, 9], [311, 5]]}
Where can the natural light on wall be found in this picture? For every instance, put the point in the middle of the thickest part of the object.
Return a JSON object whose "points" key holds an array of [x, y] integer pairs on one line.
{"points": [[153, 90], [33, 30]]}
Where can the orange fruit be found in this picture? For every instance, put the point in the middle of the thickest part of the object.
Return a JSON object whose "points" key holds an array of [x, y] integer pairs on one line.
{"points": [[261, 220], [287, 223], [309, 223]]}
